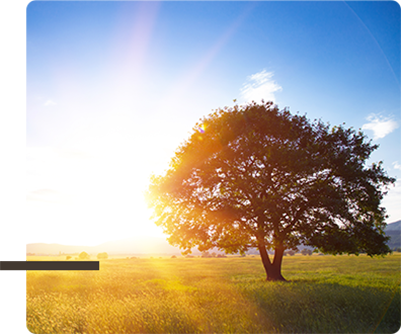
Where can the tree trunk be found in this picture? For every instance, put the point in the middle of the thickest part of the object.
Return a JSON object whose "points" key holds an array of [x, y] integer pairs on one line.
{"points": [[273, 270]]}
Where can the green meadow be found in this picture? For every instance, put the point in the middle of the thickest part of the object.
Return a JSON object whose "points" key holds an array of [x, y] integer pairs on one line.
{"points": [[324, 294]]}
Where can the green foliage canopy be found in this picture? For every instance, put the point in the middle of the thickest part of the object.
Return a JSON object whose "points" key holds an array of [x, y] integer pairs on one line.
{"points": [[255, 176]]}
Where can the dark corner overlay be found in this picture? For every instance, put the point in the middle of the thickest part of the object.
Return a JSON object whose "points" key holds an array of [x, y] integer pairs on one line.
{"points": [[13, 265]]}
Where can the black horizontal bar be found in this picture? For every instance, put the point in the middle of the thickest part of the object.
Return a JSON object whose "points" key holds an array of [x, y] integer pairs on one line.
{"points": [[49, 265]]}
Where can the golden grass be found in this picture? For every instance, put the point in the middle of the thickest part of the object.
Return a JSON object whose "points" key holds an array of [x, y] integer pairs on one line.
{"points": [[343, 294]]}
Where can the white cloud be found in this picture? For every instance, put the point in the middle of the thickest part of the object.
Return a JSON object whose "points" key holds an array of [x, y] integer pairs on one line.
{"points": [[49, 103], [260, 86], [396, 165], [380, 125]]}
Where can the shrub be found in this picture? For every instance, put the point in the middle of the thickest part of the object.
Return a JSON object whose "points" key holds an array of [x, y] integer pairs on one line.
{"points": [[306, 251], [68, 257], [206, 254], [102, 256], [290, 252], [84, 256]]}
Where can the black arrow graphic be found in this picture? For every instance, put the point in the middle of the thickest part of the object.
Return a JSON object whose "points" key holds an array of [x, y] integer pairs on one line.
{"points": [[13, 265]]}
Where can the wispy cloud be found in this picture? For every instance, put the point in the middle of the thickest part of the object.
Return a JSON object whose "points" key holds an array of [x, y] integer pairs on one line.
{"points": [[49, 103], [396, 165], [260, 86], [380, 125]]}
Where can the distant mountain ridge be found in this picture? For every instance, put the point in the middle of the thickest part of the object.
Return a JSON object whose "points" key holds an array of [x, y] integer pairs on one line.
{"points": [[396, 226], [393, 230]]}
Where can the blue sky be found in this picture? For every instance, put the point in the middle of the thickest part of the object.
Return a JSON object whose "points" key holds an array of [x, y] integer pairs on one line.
{"points": [[114, 87]]}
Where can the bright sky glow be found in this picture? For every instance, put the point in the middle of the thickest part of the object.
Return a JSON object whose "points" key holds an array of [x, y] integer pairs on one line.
{"points": [[114, 87]]}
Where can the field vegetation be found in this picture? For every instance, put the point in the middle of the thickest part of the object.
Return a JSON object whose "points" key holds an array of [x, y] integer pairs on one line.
{"points": [[324, 294]]}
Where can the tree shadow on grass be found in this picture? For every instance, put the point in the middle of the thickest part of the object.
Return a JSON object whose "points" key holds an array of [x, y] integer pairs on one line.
{"points": [[312, 306]]}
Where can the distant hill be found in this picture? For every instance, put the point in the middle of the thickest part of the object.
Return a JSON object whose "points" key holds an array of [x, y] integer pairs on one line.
{"points": [[135, 245], [396, 226], [393, 230]]}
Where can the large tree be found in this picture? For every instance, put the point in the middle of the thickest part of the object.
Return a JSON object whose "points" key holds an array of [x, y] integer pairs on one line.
{"points": [[256, 177]]}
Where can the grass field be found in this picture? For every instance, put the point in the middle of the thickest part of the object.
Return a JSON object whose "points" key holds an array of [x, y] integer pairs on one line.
{"points": [[325, 294]]}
